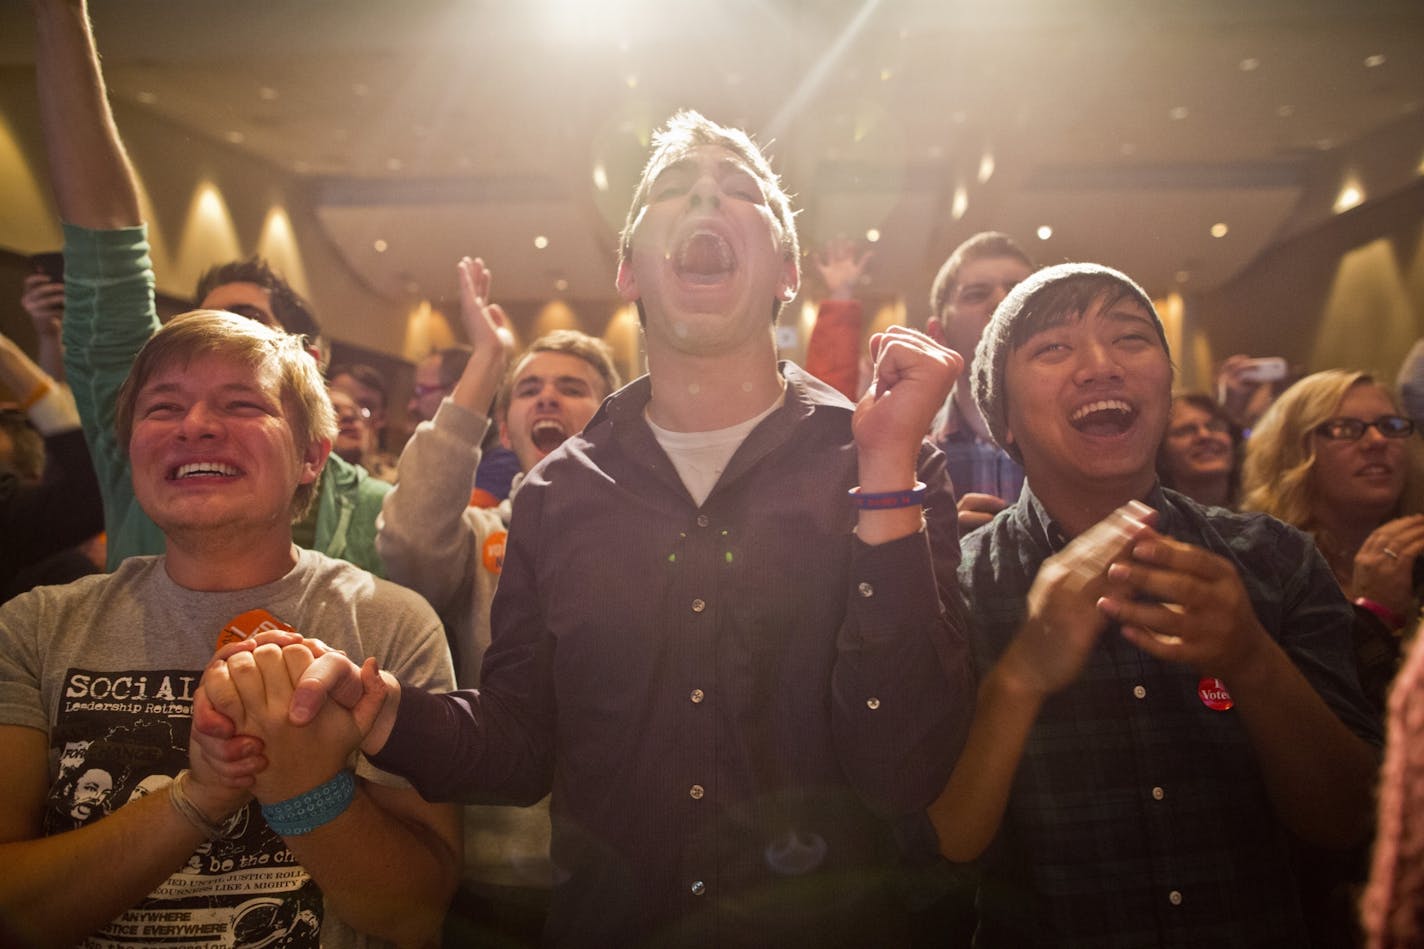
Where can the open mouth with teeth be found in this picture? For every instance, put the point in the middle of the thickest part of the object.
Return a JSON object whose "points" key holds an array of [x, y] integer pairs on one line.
{"points": [[1105, 418], [203, 469], [703, 257], [547, 434]]}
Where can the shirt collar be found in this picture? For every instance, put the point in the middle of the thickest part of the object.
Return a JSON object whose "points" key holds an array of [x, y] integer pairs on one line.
{"points": [[1033, 518]]}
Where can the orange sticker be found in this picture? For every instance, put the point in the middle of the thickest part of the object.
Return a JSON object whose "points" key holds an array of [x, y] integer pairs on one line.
{"points": [[493, 553], [479, 497], [249, 624]]}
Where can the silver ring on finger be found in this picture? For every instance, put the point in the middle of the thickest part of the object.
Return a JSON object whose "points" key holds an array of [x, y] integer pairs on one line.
{"points": [[1390, 554]]}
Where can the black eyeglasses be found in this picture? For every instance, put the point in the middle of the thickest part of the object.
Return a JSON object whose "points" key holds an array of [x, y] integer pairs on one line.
{"points": [[1353, 429]]}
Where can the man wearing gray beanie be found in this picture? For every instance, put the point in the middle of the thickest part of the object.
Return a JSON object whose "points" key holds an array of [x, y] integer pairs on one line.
{"points": [[1167, 692]]}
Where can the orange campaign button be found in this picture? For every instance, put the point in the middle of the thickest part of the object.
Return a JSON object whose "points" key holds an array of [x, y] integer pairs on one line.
{"points": [[249, 624], [493, 553], [1213, 694]]}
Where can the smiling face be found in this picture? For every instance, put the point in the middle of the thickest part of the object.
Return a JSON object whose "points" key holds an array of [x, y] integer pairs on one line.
{"points": [[706, 256], [1364, 477], [211, 447], [552, 396], [1087, 400], [1197, 446]]}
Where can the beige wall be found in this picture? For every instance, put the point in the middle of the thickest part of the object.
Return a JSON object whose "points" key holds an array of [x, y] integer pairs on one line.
{"points": [[1348, 294], [205, 202]]}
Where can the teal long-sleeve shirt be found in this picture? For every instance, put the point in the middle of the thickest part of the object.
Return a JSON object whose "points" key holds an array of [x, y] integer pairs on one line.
{"points": [[109, 314]]}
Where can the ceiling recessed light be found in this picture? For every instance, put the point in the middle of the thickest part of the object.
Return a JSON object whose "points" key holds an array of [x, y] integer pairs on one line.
{"points": [[1285, 111], [1183, 276], [886, 74], [961, 202], [147, 98], [630, 81], [380, 246], [394, 164], [1044, 232], [1219, 230], [872, 235], [986, 167], [235, 137], [1350, 196], [540, 242], [266, 93], [1249, 64], [1177, 113], [561, 285], [1375, 61]]}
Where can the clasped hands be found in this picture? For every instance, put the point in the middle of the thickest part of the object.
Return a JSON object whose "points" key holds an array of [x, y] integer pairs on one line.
{"points": [[262, 722], [1175, 601]]}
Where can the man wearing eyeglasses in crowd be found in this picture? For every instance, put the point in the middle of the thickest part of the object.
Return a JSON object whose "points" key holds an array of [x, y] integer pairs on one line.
{"points": [[973, 280]]}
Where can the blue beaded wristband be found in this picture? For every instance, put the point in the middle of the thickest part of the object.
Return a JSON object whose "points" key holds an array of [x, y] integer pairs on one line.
{"points": [[308, 811], [887, 500]]}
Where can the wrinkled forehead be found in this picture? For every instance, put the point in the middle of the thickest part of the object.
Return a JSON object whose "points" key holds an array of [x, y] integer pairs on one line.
{"points": [[548, 364], [244, 299], [673, 159], [1069, 304], [232, 368]]}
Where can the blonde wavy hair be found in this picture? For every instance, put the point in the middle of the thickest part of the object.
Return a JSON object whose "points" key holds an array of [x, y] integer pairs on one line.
{"points": [[1280, 454], [199, 332]]}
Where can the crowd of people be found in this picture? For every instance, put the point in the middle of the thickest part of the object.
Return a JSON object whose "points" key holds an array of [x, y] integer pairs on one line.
{"points": [[979, 635]]}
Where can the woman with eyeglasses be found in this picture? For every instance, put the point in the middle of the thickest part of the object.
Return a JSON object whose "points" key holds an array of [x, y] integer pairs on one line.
{"points": [[1200, 456], [1336, 457]]}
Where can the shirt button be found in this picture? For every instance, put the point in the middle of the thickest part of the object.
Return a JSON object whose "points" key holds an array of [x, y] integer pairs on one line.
{"points": [[872, 703], [698, 605], [866, 590], [1139, 692], [1158, 794], [703, 520], [697, 696], [698, 888], [695, 792], [1175, 898]]}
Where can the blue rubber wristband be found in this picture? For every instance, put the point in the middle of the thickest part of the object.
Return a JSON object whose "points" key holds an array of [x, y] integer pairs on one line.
{"points": [[308, 811], [887, 500]]}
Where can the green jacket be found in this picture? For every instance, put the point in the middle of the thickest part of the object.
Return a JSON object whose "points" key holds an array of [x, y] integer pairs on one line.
{"points": [[109, 314]]}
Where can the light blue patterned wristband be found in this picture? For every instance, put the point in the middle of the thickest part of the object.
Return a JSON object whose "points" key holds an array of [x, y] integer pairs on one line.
{"points": [[308, 811]]}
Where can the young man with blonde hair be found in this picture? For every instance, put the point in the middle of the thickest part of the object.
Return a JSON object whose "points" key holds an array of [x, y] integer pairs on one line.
{"points": [[226, 426]]}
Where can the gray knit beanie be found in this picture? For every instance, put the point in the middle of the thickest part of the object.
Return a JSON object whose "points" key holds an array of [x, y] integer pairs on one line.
{"points": [[994, 347]]}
